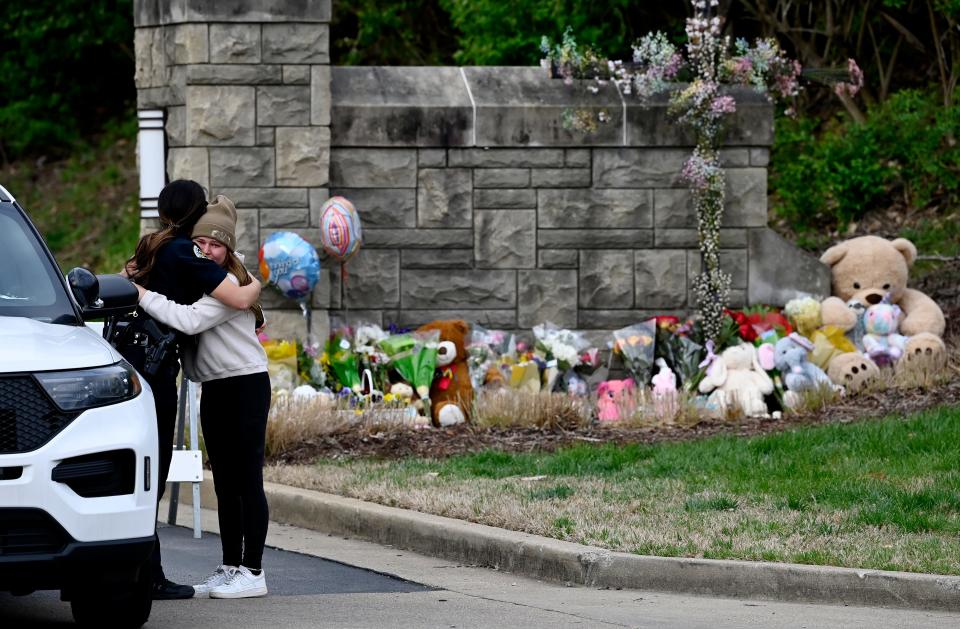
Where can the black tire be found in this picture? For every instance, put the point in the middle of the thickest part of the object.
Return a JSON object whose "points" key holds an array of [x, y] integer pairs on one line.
{"points": [[127, 608]]}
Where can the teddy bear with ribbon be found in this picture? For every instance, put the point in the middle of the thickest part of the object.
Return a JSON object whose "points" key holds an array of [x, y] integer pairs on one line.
{"points": [[451, 394]]}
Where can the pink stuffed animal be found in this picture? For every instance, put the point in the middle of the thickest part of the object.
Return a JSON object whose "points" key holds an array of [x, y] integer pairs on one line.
{"points": [[614, 396]]}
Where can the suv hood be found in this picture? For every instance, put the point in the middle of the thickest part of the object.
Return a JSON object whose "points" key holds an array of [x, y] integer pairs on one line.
{"points": [[29, 345]]}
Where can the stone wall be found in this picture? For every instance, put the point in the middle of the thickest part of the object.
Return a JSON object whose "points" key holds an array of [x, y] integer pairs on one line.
{"points": [[475, 201]]}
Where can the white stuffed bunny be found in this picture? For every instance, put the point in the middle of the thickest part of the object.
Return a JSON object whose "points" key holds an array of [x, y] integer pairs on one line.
{"points": [[736, 378]]}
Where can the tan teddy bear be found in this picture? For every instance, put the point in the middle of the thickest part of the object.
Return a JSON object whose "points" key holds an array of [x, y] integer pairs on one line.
{"points": [[451, 395], [864, 269]]}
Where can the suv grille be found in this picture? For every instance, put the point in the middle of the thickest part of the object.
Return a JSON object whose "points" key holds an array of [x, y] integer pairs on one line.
{"points": [[28, 418], [30, 531]]}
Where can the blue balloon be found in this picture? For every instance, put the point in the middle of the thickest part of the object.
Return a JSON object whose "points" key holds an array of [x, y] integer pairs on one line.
{"points": [[291, 263]]}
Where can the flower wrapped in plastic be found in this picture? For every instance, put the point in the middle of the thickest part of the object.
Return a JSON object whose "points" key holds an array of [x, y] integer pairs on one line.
{"points": [[560, 350], [486, 350], [365, 341], [681, 353], [310, 364], [804, 313], [281, 364], [344, 362], [635, 345], [414, 357]]}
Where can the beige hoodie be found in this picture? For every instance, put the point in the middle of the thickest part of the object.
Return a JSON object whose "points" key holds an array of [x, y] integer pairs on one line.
{"points": [[226, 344]]}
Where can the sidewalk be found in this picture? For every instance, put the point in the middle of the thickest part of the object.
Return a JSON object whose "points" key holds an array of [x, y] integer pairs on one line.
{"points": [[566, 562]]}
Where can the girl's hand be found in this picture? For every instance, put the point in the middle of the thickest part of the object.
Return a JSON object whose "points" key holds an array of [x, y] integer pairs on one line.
{"points": [[141, 290]]}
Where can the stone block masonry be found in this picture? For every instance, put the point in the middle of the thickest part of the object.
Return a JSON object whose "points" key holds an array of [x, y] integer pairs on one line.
{"points": [[475, 201]]}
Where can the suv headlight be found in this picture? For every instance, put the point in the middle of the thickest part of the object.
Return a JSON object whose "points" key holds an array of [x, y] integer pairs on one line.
{"points": [[87, 388]]}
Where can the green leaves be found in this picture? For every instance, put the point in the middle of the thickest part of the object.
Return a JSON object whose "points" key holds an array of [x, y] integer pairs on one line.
{"points": [[901, 156], [67, 66]]}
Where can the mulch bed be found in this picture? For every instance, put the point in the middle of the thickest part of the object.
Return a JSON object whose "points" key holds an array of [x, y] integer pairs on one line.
{"points": [[464, 439]]}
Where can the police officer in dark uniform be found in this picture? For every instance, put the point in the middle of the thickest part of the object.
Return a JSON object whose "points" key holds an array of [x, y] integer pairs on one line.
{"points": [[169, 263]]}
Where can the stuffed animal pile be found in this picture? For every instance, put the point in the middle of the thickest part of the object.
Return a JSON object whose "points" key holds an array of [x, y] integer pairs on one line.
{"points": [[864, 271]]}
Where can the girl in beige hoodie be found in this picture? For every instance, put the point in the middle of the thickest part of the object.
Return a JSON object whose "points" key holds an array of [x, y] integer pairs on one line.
{"points": [[225, 355]]}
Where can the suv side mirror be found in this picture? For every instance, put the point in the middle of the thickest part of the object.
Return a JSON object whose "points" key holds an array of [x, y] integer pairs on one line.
{"points": [[102, 296]]}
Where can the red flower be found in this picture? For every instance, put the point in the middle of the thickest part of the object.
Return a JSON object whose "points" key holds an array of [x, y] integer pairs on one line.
{"points": [[665, 321], [748, 333], [738, 317]]}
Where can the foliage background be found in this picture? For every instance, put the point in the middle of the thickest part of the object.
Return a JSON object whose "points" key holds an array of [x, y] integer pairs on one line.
{"points": [[885, 162], [67, 68]]}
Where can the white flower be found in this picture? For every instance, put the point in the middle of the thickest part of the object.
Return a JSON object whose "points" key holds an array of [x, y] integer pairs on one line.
{"points": [[367, 336], [564, 353]]}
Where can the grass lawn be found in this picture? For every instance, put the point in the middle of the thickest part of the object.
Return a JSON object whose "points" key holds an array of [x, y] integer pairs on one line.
{"points": [[85, 206], [875, 494]]}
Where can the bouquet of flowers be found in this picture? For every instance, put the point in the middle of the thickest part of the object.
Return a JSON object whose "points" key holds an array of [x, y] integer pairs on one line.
{"points": [[753, 323], [365, 341], [560, 350], [311, 363], [281, 363], [680, 352], [344, 361], [804, 313], [635, 345], [414, 356], [488, 348]]}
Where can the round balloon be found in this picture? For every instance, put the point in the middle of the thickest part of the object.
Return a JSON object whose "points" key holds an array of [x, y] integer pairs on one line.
{"points": [[340, 230], [291, 263]]}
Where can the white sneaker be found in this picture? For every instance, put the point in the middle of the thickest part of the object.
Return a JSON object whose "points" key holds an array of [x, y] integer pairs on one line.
{"points": [[217, 577], [241, 584]]}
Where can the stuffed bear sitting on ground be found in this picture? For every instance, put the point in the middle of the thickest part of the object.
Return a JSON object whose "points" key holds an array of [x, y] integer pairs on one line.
{"points": [[864, 270], [451, 395]]}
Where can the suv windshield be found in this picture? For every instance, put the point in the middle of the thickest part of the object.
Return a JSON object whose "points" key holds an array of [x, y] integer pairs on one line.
{"points": [[30, 284]]}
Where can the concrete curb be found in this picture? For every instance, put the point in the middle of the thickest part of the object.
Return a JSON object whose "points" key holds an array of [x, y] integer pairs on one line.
{"points": [[567, 562]]}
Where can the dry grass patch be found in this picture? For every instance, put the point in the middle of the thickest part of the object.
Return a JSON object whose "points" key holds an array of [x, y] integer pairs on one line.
{"points": [[507, 408], [295, 422]]}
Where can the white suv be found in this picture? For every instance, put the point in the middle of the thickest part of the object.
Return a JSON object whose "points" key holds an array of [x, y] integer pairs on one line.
{"points": [[78, 437]]}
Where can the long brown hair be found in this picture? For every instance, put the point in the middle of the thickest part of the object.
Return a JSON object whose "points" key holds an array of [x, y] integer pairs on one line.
{"points": [[232, 264], [180, 206]]}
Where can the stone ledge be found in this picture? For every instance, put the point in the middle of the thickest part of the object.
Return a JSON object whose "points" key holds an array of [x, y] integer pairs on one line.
{"points": [[157, 12], [400, 106], [775, 264], [522, 106], [649, 123], [514, 107]]}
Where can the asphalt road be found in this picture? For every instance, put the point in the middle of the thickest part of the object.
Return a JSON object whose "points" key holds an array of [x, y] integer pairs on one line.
{"points": [[187, 560], [326, 581]]}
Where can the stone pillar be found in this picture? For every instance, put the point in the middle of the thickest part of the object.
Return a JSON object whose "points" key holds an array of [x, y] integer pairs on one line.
{"points": [[245, 87]]}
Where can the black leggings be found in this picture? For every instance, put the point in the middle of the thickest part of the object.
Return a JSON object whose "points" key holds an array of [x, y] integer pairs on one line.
{"points": [[164, 388], [233, 415]]}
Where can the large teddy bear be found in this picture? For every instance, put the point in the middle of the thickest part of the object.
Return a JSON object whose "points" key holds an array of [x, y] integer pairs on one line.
{"points": [[451, 395], [864, 270]]}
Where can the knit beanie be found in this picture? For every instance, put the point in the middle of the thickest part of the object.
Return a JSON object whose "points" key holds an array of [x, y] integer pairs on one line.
{"points": [[219, 222]]}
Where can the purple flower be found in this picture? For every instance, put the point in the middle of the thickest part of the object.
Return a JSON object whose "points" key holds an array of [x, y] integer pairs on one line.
{"points": [[723, 105]]}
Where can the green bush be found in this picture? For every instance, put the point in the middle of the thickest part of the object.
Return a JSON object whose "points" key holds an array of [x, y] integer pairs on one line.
{"points": [[67, 68], [825, 175]]}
